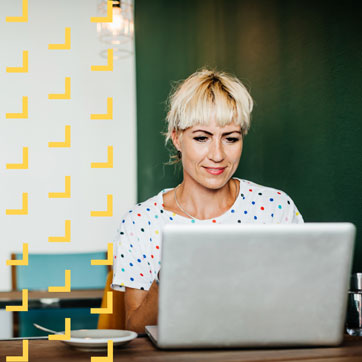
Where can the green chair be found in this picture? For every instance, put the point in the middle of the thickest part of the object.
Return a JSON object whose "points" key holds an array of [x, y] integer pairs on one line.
{"points": [[44, 270]]}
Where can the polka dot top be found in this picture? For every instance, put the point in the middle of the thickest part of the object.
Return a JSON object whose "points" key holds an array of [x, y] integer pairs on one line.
{"points": [[137, 246]]}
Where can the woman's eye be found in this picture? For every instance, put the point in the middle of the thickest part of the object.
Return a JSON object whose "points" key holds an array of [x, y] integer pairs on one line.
{"points": [[200, 139], [232, 139]]}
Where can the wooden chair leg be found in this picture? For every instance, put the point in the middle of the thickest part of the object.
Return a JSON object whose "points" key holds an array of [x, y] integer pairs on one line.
{"points": [[15, 324]]}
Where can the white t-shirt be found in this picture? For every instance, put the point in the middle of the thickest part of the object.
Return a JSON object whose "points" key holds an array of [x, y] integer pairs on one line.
{"points": [[137, 247]]}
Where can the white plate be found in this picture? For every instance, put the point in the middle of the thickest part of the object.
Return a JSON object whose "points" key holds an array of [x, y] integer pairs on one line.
{"points": [[97, 339]]}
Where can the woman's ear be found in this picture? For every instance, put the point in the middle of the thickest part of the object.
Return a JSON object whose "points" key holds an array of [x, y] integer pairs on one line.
{"points": [[175, 136]]}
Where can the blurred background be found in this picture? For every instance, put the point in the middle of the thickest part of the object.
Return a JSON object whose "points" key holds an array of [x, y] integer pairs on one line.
{"points": [[300, 60]]}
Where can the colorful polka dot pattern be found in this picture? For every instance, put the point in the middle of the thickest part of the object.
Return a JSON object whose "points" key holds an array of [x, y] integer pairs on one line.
{"points": [[137, 247]]}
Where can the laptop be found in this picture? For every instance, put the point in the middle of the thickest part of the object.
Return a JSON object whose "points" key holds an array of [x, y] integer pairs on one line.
{"points": [[253, 285]]}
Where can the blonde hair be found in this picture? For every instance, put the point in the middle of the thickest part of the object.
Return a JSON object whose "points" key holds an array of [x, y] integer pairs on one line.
{"points": [[208, 94]]}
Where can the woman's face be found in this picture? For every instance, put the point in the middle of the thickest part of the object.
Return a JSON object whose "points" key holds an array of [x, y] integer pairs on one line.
{"points": [[210, 154]]}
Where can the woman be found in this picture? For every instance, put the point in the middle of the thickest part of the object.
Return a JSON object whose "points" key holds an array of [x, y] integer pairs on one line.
{"points": [[208, 117]]}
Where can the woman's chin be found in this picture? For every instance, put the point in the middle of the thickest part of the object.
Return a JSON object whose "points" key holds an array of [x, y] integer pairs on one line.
{"points": [[214, 182]]}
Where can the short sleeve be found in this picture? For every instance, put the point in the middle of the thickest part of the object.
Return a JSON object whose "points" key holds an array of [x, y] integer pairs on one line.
{"points": [[285, 211], [293, 214], [130, 266]]}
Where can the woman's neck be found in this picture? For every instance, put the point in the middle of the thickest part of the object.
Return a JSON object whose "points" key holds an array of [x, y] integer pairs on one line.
{"points": [[200, 202]]}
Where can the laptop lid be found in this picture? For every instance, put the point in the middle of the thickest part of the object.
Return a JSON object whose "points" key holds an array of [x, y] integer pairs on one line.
{"points": [[254, 285]]}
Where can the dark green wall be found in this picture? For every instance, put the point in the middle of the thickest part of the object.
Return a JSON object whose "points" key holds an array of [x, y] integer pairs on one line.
{"points": [[301, 60]]}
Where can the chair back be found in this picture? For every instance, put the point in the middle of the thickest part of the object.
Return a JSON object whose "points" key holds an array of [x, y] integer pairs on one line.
{"points": [[44, 270]]}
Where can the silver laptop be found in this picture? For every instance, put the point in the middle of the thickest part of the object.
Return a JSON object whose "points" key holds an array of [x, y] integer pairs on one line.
{"points": [[253, 285]]}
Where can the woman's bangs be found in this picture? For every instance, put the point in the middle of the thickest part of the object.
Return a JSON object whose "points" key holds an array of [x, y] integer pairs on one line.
{"points": [[209, 105], [225, 111]]}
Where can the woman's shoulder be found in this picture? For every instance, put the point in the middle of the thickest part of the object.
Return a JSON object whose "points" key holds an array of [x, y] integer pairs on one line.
{"points": [[249, 188], [144, 209], [271, 201]]}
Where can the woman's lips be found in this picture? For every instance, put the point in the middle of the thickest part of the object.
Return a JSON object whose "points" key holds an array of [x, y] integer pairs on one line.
{"points": [[215, 171]]}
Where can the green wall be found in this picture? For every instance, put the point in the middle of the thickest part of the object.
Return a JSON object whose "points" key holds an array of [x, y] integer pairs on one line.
{"points": [[301, 60]]}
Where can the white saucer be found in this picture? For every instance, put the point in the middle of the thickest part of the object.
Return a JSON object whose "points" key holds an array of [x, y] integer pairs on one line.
{"points": [[97, 339]]}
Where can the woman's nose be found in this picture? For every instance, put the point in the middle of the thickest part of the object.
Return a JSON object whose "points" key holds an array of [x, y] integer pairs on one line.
{"points": [[216, 151]]}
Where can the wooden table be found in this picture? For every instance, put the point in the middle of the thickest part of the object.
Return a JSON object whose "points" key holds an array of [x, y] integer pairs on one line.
{"points": [[43, 300], [141, 349]]}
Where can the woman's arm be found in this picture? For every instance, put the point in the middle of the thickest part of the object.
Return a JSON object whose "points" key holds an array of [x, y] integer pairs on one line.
{"points": [[141, 308]]}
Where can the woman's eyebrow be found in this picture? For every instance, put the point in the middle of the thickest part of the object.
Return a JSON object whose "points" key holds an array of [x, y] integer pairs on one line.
{"points": [[227, 133], [209, 133]]}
